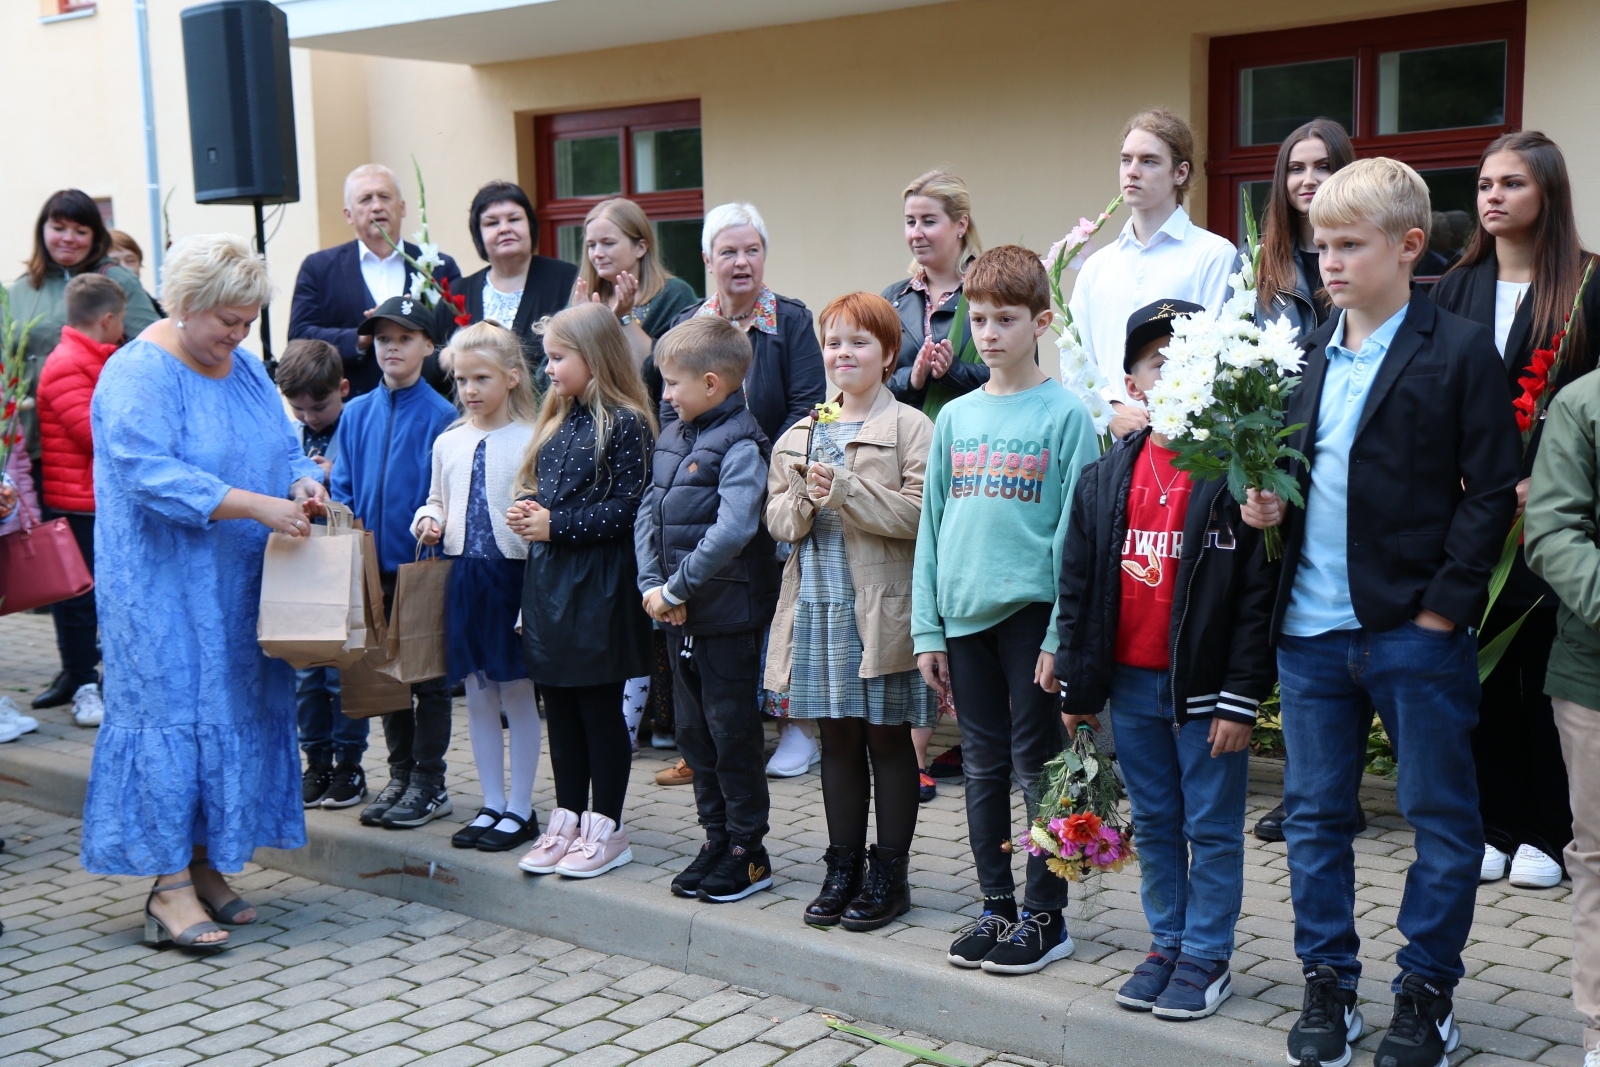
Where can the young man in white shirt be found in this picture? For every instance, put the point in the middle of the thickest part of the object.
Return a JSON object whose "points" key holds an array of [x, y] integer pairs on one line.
{"points": [[1158, 254]]}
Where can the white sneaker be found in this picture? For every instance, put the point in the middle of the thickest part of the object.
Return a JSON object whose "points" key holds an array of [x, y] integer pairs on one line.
{"points": [[11, 714], [1532, 869], [87, 707], [9, 731], [1494, 864], [797, 753]]}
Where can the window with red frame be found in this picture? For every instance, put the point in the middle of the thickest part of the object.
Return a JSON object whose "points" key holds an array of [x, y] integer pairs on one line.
{"points": [[649, 154], [1431, 90]]}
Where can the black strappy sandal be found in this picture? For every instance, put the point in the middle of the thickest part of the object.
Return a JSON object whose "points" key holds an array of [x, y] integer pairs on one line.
{"points": [[467, 836], [157, 933]]}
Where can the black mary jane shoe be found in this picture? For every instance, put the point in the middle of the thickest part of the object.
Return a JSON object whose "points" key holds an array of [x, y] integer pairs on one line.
{"points": [[495, 839], [468, 835], [839, 885], [885, 894]]}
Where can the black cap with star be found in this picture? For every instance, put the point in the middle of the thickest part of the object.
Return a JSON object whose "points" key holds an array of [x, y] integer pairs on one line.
{"points": [[412, 314], [1150, 322]]}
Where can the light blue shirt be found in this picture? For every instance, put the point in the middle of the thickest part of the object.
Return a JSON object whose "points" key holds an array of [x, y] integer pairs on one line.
{"points": [[1320, 599]]}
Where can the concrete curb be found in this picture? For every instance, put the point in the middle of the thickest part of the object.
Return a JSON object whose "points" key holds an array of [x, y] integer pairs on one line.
{"points": [[889, 982]]}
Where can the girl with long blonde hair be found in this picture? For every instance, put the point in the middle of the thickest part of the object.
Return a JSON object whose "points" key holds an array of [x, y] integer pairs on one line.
{"points": [[584, 633], [475, 464]]}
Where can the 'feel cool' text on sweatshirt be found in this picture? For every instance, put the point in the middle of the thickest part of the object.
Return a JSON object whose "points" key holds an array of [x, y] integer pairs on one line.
{"points": [[994, 514]]}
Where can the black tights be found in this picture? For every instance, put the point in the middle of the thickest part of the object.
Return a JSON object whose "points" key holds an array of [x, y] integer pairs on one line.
{"points": [[846, 746], [589, 746]]}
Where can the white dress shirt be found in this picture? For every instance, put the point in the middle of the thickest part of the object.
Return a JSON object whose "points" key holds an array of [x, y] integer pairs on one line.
{"points": [[385, 277], [1181, 262]]}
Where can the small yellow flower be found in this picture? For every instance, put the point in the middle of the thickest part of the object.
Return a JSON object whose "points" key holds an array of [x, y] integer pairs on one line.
{"points": [[826, 413]]}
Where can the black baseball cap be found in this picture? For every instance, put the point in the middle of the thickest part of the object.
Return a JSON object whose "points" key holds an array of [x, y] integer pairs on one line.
{"points": [[1150, 322], [412, 314]]}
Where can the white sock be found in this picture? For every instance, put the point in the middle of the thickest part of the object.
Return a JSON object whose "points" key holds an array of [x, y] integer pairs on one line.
{"points": [[635, 693], [488, 741], [521, 706]]}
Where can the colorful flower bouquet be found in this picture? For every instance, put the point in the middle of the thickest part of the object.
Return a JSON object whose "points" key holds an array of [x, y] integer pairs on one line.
{"points": [[425, 286], [1078, 826], [1223, 392], [1080, 374]]}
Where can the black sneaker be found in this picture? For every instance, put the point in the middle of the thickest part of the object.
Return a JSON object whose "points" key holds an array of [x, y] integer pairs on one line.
{"points": [[687, 884], [348, 786], [1329, 1022], [1423, 1031], [738, 873], [372, 814], [1270, 826], [425, 800], [314, 784], [947, 765], [976, 941], [1031, 944]]}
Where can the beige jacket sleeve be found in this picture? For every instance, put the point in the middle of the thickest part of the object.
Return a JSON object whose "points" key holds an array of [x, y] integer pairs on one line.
{"points": [[871, 505], [790, 511]]}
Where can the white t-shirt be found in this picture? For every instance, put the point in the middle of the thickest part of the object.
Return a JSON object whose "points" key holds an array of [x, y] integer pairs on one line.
{"points": [[385, 277], [1508, 296], [1181, 262]]}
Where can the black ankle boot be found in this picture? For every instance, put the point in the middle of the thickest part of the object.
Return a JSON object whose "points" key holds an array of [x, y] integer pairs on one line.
{"points": [[839, 887], [884, 896]]}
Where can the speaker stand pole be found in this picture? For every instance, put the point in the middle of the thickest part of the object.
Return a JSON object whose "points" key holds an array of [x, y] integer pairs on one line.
{"points": [[266, 321]]}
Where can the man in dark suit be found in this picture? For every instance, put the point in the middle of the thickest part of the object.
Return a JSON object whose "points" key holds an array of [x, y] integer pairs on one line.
{"points": [[338, 287]]}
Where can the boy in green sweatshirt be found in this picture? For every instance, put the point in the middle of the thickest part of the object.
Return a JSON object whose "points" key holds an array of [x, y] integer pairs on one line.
{"points": [[1001, 473]]}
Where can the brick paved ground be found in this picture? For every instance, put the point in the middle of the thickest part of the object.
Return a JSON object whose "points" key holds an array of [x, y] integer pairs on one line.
{"points": [[1514, 1005], [340, 976]]}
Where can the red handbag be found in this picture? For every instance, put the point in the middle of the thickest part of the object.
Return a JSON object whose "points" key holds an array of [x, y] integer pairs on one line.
{"points": [[40, 564]]}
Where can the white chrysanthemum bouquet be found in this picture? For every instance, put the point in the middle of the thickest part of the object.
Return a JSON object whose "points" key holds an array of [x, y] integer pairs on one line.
{"points": [[1079, 373], [1223, 392]]}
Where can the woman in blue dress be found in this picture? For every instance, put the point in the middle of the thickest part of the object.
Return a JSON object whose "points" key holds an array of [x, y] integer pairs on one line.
{"points": [[195, 766]]}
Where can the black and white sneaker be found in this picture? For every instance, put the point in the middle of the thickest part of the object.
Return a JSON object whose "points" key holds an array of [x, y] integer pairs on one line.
{"points": [[738, 873], [976, 941], [1329, 1022], [1031, 944], [372, 814], [1423, 1030], [687, 883], [347, 786], [425, 800], [314, 784], [1197, 989]]}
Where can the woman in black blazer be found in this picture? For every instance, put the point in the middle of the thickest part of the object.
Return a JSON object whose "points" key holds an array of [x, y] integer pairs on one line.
{"points": [[1518, 276], [518, 287]]}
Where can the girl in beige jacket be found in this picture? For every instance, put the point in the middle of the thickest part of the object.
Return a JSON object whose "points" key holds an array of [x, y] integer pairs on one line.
{"points": [[846, 488]]}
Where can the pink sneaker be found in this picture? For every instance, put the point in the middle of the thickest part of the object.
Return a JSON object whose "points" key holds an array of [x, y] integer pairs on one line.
{"points": [[552, 845], [601, 846]]}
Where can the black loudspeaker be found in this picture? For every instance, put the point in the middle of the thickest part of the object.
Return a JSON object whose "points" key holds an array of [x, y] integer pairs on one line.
{"points": [[241, 103]]}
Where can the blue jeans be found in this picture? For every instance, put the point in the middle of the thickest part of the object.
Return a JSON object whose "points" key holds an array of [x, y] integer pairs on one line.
{"points": [[327, 735], [1424, 686], [1188, 812]]}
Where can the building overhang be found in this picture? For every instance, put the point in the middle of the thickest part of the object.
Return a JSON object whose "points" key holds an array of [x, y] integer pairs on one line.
{"points": [[498, 31]]}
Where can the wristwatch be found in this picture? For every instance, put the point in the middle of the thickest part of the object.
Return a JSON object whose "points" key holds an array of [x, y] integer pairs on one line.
{"points": [[623, 320]]}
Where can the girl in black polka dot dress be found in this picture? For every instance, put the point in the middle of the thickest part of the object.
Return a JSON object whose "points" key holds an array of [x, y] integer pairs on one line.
{"points": [[584, 632]]}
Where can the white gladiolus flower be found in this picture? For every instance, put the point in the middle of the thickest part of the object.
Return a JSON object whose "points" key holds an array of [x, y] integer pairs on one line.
{"points": [[430, 256], [417, 282]]}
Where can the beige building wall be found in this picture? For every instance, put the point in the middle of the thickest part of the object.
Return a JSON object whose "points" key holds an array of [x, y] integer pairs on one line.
{"points": [[819, 124]]}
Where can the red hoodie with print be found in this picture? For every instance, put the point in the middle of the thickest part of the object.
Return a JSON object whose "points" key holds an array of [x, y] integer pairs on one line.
{"points": [[66, 385]]}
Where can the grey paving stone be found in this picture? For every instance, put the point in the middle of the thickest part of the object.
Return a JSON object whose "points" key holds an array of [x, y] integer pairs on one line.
{"points": [[514, 1037], [801, 1030], [679, 1055], [439, 1038], [578, 1011], [657, 1034], [754, 1054], [531, 1056], [460, 1056], [716, 1006], [647, 1009], [586, 1036], [735, 1030], [302, 1038]]}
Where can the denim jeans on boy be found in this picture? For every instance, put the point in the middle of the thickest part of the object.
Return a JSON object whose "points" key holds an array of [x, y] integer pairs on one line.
{"points": [[1189, 813], [1424, 685], [1008, 726], [327, 735]]}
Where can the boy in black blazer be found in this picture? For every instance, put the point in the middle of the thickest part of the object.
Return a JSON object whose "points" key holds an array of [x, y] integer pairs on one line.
{"points": [[1410, 491]]}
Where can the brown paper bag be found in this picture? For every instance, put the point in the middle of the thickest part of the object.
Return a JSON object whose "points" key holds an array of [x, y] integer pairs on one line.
{"points": [[314, 604], [364, 693], [415, 650]]}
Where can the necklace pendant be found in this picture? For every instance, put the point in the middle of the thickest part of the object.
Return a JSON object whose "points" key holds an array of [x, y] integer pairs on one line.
{"points": [[1163, 500]]}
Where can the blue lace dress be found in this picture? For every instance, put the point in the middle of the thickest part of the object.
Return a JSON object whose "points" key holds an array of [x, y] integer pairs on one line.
{"points": [[484, 595], [825, 679], [198, 744]]}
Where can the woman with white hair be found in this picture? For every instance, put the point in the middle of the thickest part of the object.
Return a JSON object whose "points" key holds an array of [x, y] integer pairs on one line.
{"points": [[786, 376], [195, 766]]}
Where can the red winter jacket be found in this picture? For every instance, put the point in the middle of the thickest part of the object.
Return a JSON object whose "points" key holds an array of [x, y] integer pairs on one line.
{"points": [[66, 385]]}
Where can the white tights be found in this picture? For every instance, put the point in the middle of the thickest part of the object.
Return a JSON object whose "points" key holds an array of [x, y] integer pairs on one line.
{"points": [[485, 702]]}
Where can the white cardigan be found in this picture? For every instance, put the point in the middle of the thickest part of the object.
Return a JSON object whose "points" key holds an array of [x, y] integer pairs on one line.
{"points": [[452, 482]]}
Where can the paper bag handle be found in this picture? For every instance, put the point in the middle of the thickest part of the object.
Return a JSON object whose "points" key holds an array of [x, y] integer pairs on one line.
{"points": [[339, 516]]}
